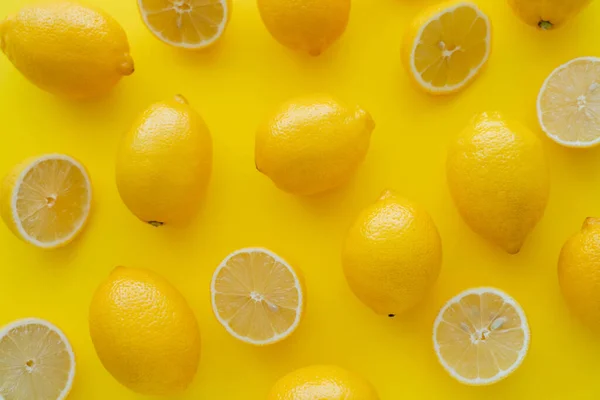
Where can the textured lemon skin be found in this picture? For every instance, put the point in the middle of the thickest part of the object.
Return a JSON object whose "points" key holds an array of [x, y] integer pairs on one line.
{"points": [[66, 48], [164, 163], [392, 255], [547, 14], [144, 332], [310, 26], [579, 273], [322, 382], [313, 144], [499, 179]]}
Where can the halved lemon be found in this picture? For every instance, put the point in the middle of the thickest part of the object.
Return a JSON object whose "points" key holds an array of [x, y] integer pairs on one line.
{"points": [[257, 296], [481, 336], [190, 24], [46, 200], [568, 104], [446, 46], [36, 361]]}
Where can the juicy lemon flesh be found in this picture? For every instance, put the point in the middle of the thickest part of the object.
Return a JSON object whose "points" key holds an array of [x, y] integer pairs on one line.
{"points": [[257, 296], [184, 21], [34, 364], [481, 337], [569, 104], [451, 47], [52, 200]]}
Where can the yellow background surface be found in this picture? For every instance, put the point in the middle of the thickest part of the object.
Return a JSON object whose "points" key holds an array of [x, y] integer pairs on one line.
{"points": [[233, 86]]}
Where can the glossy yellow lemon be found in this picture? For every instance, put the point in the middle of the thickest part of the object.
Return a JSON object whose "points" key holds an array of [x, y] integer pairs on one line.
{"points": [[323, 382], [313, 144], [37, 361], [67, 48], [257, 296], [547, 14], [392, 255], [499, 179], [164, 163], [481, 336], [144, 332], [189, 24], [579, 273], [310, 26], [568, 105], [446, 46], [46, 200]]}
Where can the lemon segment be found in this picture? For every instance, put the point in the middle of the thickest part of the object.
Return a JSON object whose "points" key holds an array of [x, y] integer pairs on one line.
{"points": [[257, 296], [446, 46], [568, 105], [46, 200], [481, 336], [191, 24], [36, 361]]}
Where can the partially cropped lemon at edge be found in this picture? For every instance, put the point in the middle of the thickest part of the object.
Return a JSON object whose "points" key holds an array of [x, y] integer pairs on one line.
{"points": [[499, 179], [144, 332], [67, 48], [310, 26], [547, 14], [392, 255], [579, 273], [313, 144], [323, 382], [164, 163]]}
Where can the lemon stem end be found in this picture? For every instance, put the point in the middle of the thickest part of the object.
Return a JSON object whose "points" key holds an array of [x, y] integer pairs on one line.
{"points": [[545, 25]]}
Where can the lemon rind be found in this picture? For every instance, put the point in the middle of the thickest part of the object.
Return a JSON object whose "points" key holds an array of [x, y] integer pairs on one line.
{"points": [[522, 353], [299, 310], [552, 136], [474, 71], [14, 196], [37, 321]]}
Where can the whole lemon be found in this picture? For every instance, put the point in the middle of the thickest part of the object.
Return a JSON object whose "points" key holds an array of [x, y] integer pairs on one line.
{"points": [[164, 163], [144, 332], [547, 14], [67, 48], [392, 255], [579, 273], [306, 25], [322, 382], [499, 179], [313, 144]]}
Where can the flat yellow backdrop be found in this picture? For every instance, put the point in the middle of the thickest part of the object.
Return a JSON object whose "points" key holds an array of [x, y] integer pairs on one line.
{"points": [[233, 86]]}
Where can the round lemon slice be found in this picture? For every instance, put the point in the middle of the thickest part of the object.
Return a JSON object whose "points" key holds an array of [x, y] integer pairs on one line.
{"points": [[568, 104], [46, 200], [481, 336], [190, 24], [37, 361], [446, 46], [257, 296]]}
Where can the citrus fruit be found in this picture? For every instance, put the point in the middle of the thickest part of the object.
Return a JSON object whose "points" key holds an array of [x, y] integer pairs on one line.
{"points": [[189, 24], [257, 296], [547, 14], [392, 255], [446, 46], [322, 382], [46, 200], [67, 48], [312, 144], [37, 361], [310, 26], [481, 336], [568, 105], [144, 332], [579, 273], [164, 163], [499, 179]]}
